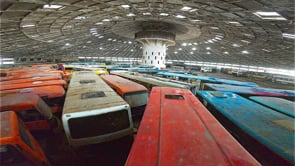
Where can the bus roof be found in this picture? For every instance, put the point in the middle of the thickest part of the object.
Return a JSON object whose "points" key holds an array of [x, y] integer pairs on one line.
{"points": [[8, 124], [33, 84], [267, 126], [122, 84], [88, 92]]}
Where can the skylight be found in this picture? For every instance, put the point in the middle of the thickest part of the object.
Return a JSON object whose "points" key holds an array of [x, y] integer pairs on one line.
{"points": [[125, 6], [27, 25], [52, 6], [146, 13], [80, 18], [269, 15], [164, 14], [130, 15], [245, 52], [288, 35], [180, 16], [186, 8]]}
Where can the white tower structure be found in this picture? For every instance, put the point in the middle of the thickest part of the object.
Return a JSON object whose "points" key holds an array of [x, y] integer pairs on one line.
{"points": [[155, 43]]}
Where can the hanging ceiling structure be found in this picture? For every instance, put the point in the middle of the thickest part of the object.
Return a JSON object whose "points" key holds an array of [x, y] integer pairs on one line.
{"points": [[244, 32]]}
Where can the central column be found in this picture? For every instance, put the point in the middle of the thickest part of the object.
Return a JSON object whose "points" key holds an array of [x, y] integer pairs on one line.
{"points": [[155, 43]]}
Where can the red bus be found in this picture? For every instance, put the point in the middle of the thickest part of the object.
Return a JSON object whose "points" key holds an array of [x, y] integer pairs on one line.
{"points": [[177, 129], [33, 84], [134, 94]]}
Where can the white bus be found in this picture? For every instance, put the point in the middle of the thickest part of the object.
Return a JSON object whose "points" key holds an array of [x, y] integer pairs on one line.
{"points": [[93, 112]]}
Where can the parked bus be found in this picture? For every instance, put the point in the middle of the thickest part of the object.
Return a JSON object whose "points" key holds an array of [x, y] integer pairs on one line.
{"points": [[177, 129], [54, 96], [32, 84], [31, 109], [93, 112], [17, 145], [251, 91], [278, 104], [29, 80], [268, 135], [134, 94]]}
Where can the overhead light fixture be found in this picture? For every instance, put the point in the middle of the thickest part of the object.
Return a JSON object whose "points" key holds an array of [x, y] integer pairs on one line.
{"points": [[208, 53], [245, 41], [214, 27], [131, 50], [210, 41], [48, 6], [225, 52], [35, 36], [184, 44], [130, 15], [89, 41], [129, 42], [100, 48], [180, 16], [98, 23], [100, 37], [208, 48], [196, 44], [175, 52], [164, 14], [186, 8], [234, 23], [191, 52], [245, 52], [125, 6], [180, 49], [195, 20], [193, 10], [116, 17], [269, 15], [80, 18], [236, 45], [109, 39], [288, 35], [106, 20], [27, 25], [194, 48], [67, 44], [265, 50], [146, 13]]}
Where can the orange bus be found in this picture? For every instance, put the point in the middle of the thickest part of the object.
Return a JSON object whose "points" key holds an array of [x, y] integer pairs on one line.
{"points": [[33, 84], [31, 79], [54, 96], [17, 145], [36, 114], [134, 94]]}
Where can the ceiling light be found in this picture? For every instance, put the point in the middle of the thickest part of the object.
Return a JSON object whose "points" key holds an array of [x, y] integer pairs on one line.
{"points": [[194, 48], [130, 15], [89, 41], [35, 36], [129, 42], [184, 44], [116, 17], [195, 20], [164, 14], [146, 14], [210, 41], [214, 27], [175, 52], [208, 48], [131, 50], [100, 37], [245, 52], [189, 44], [180, 49], [67, 44], [245, 41], [125, 6], [52, 6], [225, 52], [236, 45], [98, 23], [80, 18], [50, 41], [196, 44], [106, 20], [269, 15], [109, 39], [191, 52], [288, 35], [186, 8], [208, 53], [193, 10], [180, 16], [234, 23], [114, 40], [27, 25], [100, 48]]}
